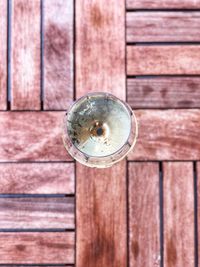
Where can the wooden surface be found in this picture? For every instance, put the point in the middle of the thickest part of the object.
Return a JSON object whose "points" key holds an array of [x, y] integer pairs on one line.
{"points": [[144, 238], [25, 55], [161, 60], [58, 54], [144, 211], [100, 66], [34, 248], [178, 190], [3, 55], [162, 92]]}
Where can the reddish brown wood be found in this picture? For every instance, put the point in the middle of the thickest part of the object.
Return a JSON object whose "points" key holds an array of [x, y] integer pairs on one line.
{"points": [[178, 190], [144, 236], [25, 55], [58, 54], [164, 92], [37, 248], [100, 47], [37, 178], [32, 136], [167, 135], [153, 60], [163, 26], [198, 201], [37, 213], [163, 4], [3, 55], [101, 216]]}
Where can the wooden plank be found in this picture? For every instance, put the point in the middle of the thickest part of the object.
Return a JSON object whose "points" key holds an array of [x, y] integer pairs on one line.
{"points": [[144, 242], [198, 206], [37, 248], [3, 55], [32, 136], [163, 27], [163, 4], [37, 178], [100, 47], [100, 66], [178, 189], [58, 54], [164, 92], [101, 216], [167, 135], [25, 55], [155, 60], [37, 213]]}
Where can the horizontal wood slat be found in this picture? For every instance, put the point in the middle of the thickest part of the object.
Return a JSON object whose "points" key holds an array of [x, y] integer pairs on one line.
{"points": [[25, 55], [58, 54], [37, 248], [178, 190], [32, 136], [164, 92], [163, 27], [163, 4], [144, 223], [161, 60], [37, 178], [3, 55], [37, 213], [167, 135]]}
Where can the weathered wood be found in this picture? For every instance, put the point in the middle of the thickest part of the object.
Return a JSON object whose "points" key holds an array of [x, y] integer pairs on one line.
{"points": [[3, 55], [37, 213], [101, 225], [144, 226], [37, 178], [25, 55], [155, 60], [100, 66], [37, 248], [163, 27], [163, 4], [164, 92], [58, 54], [167, 135], [198, 206], [178, 190], [100, 47], [32, 136]]}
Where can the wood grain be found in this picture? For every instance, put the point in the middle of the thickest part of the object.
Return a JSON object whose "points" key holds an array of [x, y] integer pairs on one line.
{"points": [[101, 225], [37, 178], [3, 55], [100, 47], [198, 201], [25, 55], [37, 248], [178, 189], [163, 27], [32, 136], [167, 135], [58, 54], [163, 4], [144, 225], [164, 92], [156, 60], [37, 213]]}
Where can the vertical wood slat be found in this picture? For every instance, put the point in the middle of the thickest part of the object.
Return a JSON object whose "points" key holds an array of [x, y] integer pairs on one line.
{"points": [[198, 206], [25, 55], [58, 54], [101, 216], [178, 190], [144, 236], [100, 47], [101, 193], [3, 55]]}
